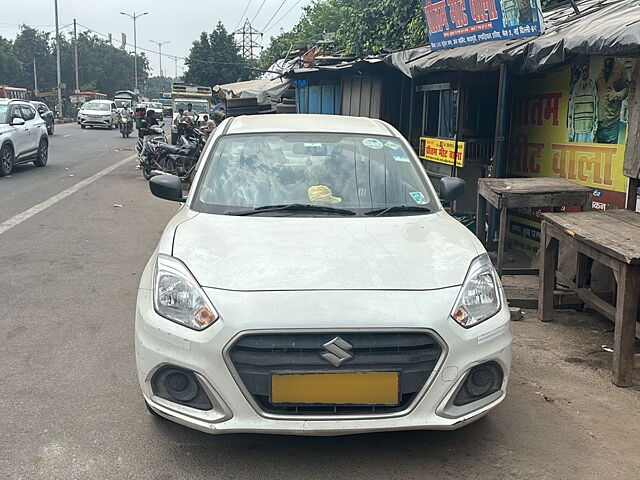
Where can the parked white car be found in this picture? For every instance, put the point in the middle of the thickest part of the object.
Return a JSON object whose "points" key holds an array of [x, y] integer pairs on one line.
{"points": [[23, 136], [98, 113], [156, 107], [312, 284]]}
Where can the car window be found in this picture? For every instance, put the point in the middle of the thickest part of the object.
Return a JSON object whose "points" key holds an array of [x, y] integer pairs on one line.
{"points": [[97, 106], [16, 112], [28, 113], [3, 113], [113, 106], [354, 172]]}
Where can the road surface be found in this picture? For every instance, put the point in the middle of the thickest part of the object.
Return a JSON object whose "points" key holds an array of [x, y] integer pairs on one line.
{"points": [[70, 261]]}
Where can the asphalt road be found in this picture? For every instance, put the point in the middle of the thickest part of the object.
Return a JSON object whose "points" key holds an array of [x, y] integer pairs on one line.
{"points": [[69, 399]]}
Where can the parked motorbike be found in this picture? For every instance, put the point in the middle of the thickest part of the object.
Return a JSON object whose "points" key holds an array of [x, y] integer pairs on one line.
{"points": [[126, 126], [154, 136], [159, 157]]}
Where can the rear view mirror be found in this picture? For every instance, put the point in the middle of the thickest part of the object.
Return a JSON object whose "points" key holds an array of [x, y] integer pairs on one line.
{"points": [[168, 187], [451, 188], [17, 121]]}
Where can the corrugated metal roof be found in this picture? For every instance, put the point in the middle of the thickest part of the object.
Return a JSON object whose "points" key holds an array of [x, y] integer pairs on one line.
{"points": [[601, 28]]}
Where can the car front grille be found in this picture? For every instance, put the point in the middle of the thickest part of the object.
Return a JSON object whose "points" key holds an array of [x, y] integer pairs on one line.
{"points": [[256, 357]]}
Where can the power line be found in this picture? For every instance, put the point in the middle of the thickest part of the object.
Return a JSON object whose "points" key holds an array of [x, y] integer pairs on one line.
{"points": [[247, 43], [259, 9], [282, 17], [243, 14], [274, 15]]}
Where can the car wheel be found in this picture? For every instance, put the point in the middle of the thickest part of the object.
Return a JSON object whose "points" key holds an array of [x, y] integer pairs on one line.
{"points": [[51, 129], [43, 153], [83, 126], [6, 160]]}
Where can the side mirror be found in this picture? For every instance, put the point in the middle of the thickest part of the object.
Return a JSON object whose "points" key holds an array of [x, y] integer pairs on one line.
{"points": [[451, 188], [168, 187], [17, 121]]}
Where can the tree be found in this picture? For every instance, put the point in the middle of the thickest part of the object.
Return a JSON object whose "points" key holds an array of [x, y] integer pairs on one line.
{"points": [[359, 27], [9, 64], [214, 59]]}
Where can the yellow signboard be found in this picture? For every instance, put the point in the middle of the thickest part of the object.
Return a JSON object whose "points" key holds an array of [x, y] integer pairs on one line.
{"points": [[441, 151]]}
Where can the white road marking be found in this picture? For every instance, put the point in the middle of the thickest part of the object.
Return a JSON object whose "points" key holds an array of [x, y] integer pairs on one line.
{"points": [[67, 135], [27, 214]]}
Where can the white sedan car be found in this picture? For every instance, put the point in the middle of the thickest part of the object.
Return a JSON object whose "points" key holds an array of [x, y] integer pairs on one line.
{"points": [[98, 113], [312, 284]]}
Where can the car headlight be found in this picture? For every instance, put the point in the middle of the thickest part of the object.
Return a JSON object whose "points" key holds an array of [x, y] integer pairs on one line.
{"points": [[178, 297], [479, 297]]}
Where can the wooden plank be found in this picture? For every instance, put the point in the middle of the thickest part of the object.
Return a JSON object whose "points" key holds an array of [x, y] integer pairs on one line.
{"points": [[624, 333], [533, 185], [632, 194], [549, 247], [626, 216], [544, 199], [599, 305], [609, 235], [520, 271], [483, 190]]}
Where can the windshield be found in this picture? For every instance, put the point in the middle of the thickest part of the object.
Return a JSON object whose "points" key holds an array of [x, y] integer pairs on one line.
{"points": [[122, 103], [198, 107], [3, 114], [354, 172], [154, 105], [97, 106]]}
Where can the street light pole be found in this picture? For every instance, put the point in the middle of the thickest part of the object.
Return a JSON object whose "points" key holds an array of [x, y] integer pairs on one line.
{"points": [[58, 62], [134, 17], [160, 52]]}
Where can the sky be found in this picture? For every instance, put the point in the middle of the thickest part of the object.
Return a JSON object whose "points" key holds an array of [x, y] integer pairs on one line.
{"points": [[178, 22]]}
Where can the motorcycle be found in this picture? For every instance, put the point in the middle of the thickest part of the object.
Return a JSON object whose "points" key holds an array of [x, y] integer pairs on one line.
{"points": [[126, 126], [144, 146], [160, 158]]}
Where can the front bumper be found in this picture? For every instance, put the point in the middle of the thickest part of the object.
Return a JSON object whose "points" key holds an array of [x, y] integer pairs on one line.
{"points": [[160, 342], [96, 122]]}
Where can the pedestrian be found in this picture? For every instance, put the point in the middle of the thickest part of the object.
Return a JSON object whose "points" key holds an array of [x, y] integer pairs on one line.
{"points": [[191, 113], [208, 125]]}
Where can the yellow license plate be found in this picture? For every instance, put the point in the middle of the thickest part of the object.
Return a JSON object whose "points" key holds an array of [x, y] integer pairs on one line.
{"points": [[375, 388]]}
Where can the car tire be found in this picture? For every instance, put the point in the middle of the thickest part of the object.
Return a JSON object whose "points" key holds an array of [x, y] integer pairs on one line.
{"points": [[43, 153], [51, 129], [83, 126], [6, 160]]}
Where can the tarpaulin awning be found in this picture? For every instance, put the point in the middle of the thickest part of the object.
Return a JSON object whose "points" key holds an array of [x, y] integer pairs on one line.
{"points": [[601, 28], [264, 90]]}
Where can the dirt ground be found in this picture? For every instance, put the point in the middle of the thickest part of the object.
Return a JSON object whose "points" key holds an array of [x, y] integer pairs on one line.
{"points": [[567, 363]]}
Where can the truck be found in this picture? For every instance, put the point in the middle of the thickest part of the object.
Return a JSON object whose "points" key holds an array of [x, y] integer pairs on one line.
{"points": [[183, 94], [122, 97]]}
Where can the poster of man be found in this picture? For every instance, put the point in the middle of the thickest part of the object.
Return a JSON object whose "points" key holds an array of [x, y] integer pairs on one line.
{"points": [[517, 12], [598, 108]]}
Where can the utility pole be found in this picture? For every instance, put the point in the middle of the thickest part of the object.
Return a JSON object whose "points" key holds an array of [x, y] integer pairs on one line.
{"points": [[134, 17], [160, 52], [175, 64], [75, 41], [35, 78], [247, 43], [58, 62]]}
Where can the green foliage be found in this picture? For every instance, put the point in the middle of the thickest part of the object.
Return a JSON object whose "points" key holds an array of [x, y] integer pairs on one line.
{"points": [[103, 67], [359, 27], [155, 86], [214, 59]]}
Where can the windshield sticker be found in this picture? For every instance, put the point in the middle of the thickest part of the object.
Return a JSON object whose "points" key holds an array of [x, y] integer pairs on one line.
{"points": [[418, 197], [400, 156], [372, 143], [392, 145]]}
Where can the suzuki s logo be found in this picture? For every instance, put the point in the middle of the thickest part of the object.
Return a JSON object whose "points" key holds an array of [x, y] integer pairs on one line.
{"points": [[337, 351]]}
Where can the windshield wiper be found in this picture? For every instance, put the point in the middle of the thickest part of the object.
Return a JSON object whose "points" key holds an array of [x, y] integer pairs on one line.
{"points": [[292, 207], [397, 208]]}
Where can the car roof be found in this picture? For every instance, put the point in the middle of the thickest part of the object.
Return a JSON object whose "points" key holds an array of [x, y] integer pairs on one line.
{"points": [[308, 123], [6, 101], [97, 100]]}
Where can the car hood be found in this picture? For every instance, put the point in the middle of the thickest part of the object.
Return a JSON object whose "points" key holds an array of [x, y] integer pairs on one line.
{"points": [[420, 252]]}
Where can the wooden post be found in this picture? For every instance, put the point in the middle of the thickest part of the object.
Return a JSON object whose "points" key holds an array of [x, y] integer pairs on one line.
{"points": [[480, 215], [631, 167], [549, 247], [625, 330], [502, 238]]}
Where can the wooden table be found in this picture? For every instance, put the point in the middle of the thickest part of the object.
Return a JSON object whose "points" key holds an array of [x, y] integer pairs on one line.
{"points": [[612, 238], [505, 193]]}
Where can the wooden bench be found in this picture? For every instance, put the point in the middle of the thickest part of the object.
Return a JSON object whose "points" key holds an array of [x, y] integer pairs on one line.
{"points": [[505, 193], [612, 238]]}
